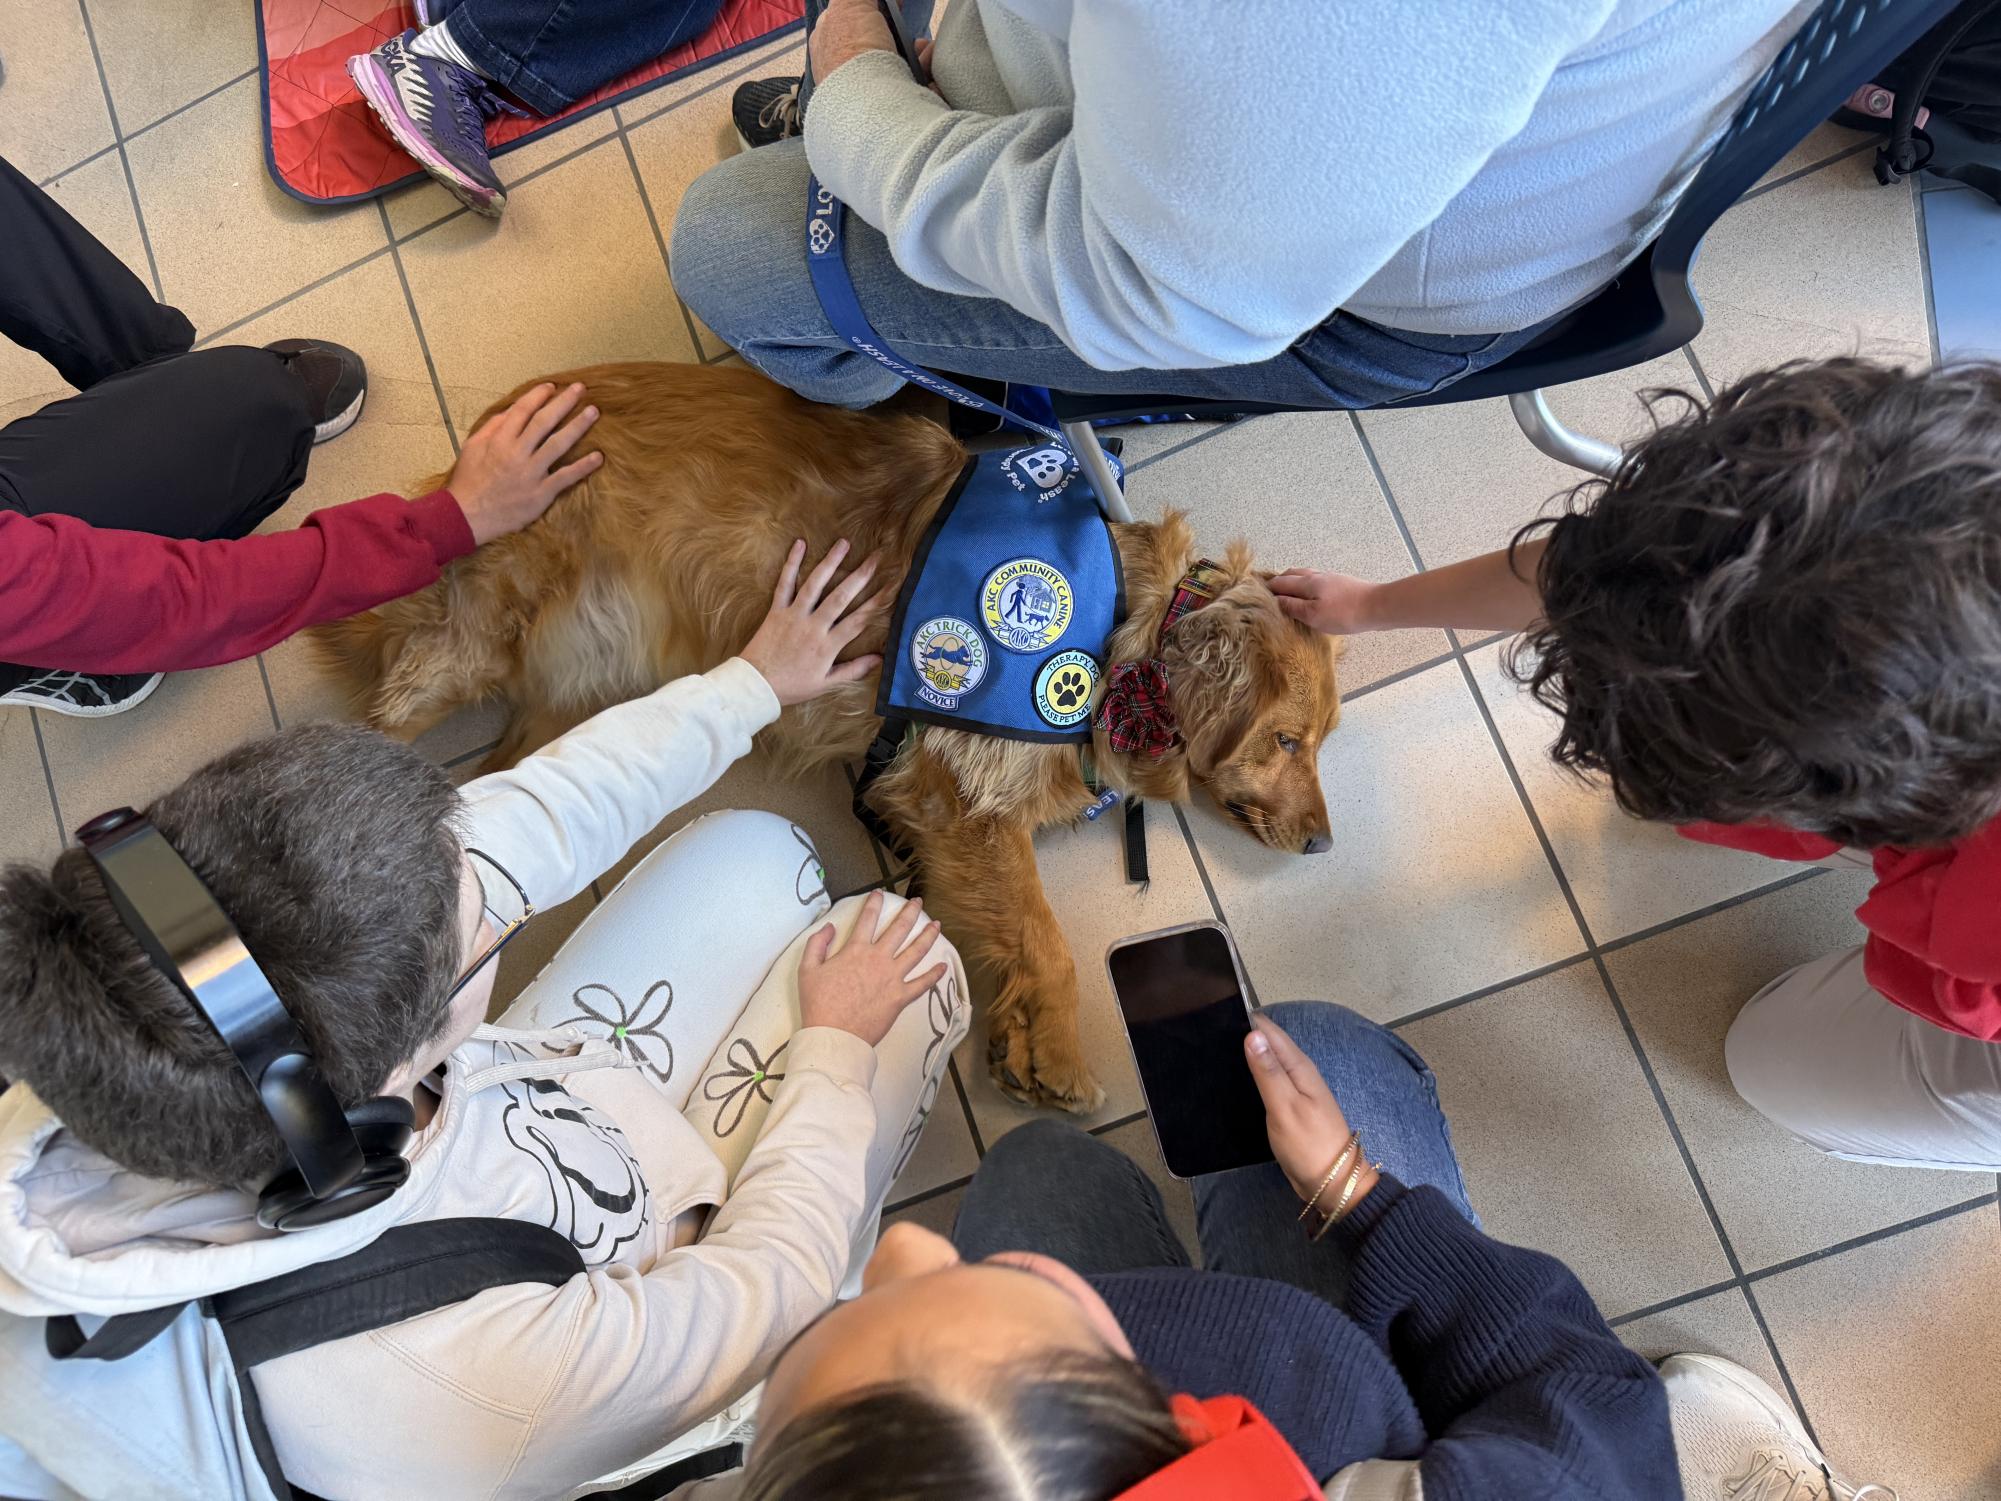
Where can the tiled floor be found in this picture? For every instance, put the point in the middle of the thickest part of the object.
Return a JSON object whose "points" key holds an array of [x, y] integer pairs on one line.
{"points": [[1568, 972]]}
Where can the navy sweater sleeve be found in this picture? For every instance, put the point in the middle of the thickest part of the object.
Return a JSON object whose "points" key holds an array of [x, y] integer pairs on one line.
{"points": [[1522, 1387]]}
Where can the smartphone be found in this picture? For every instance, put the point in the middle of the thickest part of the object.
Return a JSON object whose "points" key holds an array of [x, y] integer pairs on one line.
{"points": [[1182, 995]]}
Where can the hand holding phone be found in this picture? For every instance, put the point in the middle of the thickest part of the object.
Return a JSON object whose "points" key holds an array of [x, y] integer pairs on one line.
{"points": [[1302, 1117]]}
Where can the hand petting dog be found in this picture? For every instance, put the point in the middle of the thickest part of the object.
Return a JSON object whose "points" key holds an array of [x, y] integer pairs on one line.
{"points": [[506, 475], [798, 647]]}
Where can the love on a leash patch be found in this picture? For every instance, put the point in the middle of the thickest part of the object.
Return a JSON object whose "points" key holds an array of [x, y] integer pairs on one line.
{"points": [[321, 142]]}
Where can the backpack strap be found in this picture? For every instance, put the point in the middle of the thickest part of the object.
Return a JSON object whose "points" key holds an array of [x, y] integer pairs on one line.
{"points": [[1908, 149], [406, 1271], [889, 740]]}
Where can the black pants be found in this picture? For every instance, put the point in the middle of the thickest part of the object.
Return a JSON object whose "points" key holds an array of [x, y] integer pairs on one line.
{"points": [[158, 439]]}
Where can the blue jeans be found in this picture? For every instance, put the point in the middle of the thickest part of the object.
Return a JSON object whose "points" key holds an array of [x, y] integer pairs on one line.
{"points": [[1107, 1215], [551, 53]]}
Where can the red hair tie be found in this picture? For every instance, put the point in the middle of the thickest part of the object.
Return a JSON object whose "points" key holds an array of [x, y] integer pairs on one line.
{"points": [[1238, 1456]]}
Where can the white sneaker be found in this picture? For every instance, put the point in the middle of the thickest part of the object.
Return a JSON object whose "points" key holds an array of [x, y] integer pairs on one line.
{"points": [[1738, 1440]]}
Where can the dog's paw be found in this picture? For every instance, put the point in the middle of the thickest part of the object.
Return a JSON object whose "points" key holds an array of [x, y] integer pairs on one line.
{"points": [[1045, 1077]]}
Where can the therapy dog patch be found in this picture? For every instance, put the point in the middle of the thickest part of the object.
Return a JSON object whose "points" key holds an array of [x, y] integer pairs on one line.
{"points": [[1063, 688]]}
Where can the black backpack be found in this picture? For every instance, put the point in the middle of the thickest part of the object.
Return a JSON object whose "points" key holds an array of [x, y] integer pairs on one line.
{"points": [[1954, 73], [406, 1271]]}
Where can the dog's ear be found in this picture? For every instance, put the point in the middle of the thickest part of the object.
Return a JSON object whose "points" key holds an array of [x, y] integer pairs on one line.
{"points": [[1226, 665]]}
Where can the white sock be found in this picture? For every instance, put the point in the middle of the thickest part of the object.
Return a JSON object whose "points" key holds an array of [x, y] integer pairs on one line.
{"points": [[437, 41]]}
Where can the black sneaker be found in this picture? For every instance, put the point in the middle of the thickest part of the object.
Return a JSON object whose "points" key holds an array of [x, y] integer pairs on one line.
{"points": [[335, 379], [83, 695], [765, 110]]}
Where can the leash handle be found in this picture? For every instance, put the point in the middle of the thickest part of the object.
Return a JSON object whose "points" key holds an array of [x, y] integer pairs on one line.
{"points": [[906, 44]]}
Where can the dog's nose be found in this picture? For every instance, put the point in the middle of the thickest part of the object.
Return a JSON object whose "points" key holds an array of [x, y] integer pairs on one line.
{"points": [[1319, 844]]}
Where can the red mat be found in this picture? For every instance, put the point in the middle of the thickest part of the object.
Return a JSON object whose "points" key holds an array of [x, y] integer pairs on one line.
{"points": [[322, 143]]}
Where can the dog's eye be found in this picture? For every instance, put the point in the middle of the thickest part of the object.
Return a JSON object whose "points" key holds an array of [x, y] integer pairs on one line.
{"points": [[1287, 744]]}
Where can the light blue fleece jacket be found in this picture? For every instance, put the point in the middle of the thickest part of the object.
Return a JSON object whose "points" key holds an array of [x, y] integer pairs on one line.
{"points": [[1172, 184]]}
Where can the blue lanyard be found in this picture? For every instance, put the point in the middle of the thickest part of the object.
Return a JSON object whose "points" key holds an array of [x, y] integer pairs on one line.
{"points": [[826, 260]]}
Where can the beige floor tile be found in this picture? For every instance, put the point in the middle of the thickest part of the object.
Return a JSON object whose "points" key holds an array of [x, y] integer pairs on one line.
{"points": [[227, 240], [1893, 1347], [548, 288], [97, 197], [1778, 1198], [1300, 488], [1138, 1142], [1626, 874], [935, 1213], [820, 802], [945, 1152], [1083, 874], [1720, 1324], [1144, 442], [54, 114], [1825, 265], [191, 718], [161, 54], [1562, 1144], [28, 830], [1827, 140], [425, 203], [672, 150], [1435, 885], [1466, 479]]}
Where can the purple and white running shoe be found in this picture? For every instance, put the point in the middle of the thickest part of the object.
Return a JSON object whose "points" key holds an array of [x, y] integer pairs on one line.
{"points": [[436, 111]]}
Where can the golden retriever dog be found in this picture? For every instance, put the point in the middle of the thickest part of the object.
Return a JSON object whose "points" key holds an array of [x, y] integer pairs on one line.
{"points": [[662, 563]]}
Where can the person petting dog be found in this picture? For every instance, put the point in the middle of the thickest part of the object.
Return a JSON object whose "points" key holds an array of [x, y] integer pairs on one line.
{"points": [[707, 1093], [1321, 205], [1779, 628], [125, 510], [1352, 1333]]}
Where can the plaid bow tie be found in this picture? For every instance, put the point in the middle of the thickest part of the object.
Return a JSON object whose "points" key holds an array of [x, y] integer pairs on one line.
{"points": [[1136, 712]]}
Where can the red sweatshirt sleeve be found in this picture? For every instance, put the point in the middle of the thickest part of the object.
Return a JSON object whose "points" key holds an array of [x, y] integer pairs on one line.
{"points": [[96, 599], [1761, 839], [1934, 924]]}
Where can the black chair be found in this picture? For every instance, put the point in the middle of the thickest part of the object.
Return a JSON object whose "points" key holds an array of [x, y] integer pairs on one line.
{"points": [[1647, 310]]}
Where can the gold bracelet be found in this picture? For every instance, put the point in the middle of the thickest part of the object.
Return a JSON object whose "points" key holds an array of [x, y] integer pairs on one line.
{"points": [[1354, 1140], [1347, 1192]]}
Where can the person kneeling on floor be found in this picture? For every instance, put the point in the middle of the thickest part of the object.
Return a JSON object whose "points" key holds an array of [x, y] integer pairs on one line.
{"points": [[1779, 628], [694, 1111], [1352, 1334]]}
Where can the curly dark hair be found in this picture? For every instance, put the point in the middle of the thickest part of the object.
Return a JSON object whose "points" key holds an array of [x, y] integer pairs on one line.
{"points": [[1787, 606], [335, 852]]}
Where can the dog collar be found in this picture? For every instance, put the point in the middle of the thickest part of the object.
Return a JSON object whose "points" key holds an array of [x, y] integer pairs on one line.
{"points": [[1137, 710], [1237, 1453]]}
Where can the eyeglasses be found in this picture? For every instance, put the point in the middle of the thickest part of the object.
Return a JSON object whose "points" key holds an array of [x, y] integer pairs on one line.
{"points": [[508, 926]]}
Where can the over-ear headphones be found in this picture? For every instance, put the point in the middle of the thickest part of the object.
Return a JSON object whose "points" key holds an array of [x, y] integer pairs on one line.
{"points": [[342, 1161]]}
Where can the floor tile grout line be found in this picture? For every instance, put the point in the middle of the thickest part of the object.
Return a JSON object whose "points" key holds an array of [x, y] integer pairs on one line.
{"points": [[1871, 1237], [1396, 513], [1925, 270], [119, 139], [926, 1196], [464, 756], [659, 240], [1668, 1305], [1402, 674], [1229, 426], [270, 698], [1641, 935], [417, 323], [48, 778], [1119, 1124], [1794, 176], [1540, 972], [1701, 375], [966, 1106], [124, 158], [290, 297]]}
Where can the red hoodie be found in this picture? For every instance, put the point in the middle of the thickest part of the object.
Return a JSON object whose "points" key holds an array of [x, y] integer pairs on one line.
{"points": [[95, 599], [1934, 919]]}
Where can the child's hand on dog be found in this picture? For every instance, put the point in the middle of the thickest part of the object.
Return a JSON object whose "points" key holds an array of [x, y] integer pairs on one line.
{"points": [[864, 988], [797, 647], [1302, 1117], [505, 476], [1335, 604]]}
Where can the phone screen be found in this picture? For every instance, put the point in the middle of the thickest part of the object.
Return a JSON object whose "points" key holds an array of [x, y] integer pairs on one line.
{"points": [[1184, 1010]]}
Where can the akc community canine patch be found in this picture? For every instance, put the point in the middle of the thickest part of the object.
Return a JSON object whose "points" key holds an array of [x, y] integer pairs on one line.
{"points": [[950, 658], [1063, 688], [1026, 604]]}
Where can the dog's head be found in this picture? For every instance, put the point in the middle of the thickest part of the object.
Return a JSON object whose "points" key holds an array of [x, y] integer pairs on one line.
{"points": [[1253, 690]]}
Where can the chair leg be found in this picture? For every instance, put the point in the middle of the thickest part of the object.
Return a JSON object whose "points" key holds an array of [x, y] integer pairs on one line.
{"points": [[1098, 470], [1539, 423]]}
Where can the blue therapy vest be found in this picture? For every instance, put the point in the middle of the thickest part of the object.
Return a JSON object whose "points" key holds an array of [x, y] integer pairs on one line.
{"points": [[1002, 623]]}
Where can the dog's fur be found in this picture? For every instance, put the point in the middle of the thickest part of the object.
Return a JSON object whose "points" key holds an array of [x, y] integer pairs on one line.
{"points": [[661, 564]]}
